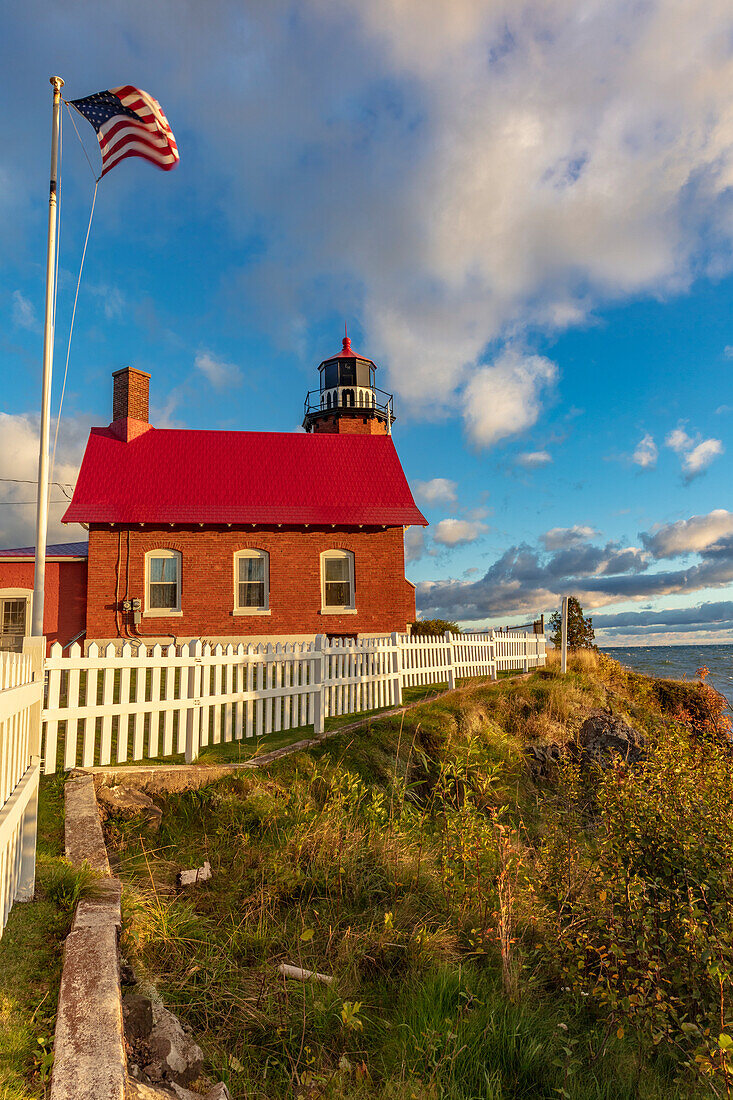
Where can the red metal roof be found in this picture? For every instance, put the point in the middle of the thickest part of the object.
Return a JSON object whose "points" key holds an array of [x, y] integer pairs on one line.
{"points": [[54, 551], [180, 476], [347, 352]]}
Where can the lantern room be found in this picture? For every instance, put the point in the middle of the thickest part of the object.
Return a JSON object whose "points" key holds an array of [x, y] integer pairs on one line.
{"points": [[347, 399]]}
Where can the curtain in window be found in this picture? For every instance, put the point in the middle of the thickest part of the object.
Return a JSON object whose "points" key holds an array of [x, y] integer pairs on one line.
{"points": [[338, 582], [164, 582], [252, 582]]}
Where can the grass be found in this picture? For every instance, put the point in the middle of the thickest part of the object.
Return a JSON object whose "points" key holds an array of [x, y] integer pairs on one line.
{"points": [[238, 751], [416, 862], [31, 952]]}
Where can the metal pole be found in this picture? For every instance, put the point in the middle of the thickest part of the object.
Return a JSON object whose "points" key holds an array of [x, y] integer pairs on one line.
{"points": [[564, 636], [42, 504]]}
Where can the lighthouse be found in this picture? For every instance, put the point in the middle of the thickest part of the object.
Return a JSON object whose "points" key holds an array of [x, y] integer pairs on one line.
{"points": [[347, 401]]}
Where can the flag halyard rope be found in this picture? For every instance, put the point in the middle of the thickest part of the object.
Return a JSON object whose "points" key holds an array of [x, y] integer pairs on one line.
{"points": [[71, 329]]}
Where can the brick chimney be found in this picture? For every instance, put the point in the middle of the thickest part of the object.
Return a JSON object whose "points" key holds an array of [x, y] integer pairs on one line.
{"points": [[130, 403]]}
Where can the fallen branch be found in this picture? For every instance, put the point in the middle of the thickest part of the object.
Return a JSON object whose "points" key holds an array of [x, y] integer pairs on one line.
{"points": [[299, 975]]}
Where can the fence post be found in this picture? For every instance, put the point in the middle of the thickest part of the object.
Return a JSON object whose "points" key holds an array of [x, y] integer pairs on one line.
{"points": [[451, 661], [564, 636], [36, 649], [319, 702], [397, 668], [193, 713], [492, 651]]}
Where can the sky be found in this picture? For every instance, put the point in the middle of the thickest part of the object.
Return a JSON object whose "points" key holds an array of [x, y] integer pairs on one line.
{"points": [[523, 210]]}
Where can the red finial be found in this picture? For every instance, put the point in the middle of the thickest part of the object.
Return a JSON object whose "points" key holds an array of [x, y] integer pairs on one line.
{"points": [[346, 343]]}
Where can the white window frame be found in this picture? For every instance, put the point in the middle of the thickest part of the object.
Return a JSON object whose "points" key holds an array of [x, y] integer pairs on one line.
{"points": [[264, 556], [348, 555], [21, 594], [163, 612]]}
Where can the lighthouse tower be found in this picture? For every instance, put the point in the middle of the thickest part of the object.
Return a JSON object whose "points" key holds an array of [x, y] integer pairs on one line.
{"points": [[347, 400]]}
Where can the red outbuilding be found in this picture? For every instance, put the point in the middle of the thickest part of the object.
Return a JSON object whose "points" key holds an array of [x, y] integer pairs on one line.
{"points": [[64, 607], [232, 536]]}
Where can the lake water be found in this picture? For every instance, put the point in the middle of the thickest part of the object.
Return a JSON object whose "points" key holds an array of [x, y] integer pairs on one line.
{"points": [[678, 662]]}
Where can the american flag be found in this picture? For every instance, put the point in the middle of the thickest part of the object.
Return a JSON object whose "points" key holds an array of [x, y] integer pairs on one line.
{"points": [[129, 123]]}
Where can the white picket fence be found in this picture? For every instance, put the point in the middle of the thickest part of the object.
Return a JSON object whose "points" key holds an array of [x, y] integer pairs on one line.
{"points": [[21, 697], [111, 706]]}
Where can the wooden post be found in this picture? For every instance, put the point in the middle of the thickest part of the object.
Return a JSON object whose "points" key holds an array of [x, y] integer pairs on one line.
{"points": [[564, 637], [451, 661], [319, 703]]}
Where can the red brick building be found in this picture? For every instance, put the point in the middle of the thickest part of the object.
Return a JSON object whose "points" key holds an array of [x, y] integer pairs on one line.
{"points": [[248, 535], [64, 607]]}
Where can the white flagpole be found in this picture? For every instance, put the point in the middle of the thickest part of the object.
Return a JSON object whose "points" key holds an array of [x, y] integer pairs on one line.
{"points": [[42, 506]]}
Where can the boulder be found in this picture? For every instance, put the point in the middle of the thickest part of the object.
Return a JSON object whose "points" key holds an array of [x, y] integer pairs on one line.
{"points": [[174, 1056], [603, 737], [218, 1092], [141, 1090], [129, 802], [137, 1016]]}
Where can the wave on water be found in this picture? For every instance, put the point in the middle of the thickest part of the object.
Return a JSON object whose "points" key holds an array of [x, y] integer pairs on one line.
{"points": [[679, 662]]}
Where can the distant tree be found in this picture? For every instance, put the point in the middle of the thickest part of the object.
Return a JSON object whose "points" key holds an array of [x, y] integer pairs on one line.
{"points": [[581, 634], [435, 626]]}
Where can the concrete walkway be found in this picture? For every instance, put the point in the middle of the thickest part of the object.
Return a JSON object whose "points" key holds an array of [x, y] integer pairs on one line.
{"points": [[89, 1051]]}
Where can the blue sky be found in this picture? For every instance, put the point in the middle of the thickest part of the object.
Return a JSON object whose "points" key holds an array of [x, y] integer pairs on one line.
{"points": [[523, 210]]}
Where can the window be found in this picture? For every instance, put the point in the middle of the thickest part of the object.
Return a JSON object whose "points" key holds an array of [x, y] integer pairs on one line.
{"points": [[15, 618], [337, 581], [251, 582], [163, 582]]}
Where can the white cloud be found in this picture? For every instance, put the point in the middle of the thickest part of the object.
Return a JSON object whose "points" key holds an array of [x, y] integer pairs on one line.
{"points": [[23, 313], [688, 536], [19, 462], [700, 457], [696, 454], [532, 460], [440, 490], [679, 441], [414, 543], [728, 351], [560, 538], [457, 532], [646, 452], [510, 165], [504, 399], [219, 373], [535, 159]]}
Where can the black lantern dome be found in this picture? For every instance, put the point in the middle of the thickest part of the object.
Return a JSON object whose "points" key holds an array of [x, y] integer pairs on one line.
{"points": [[347, 391]]}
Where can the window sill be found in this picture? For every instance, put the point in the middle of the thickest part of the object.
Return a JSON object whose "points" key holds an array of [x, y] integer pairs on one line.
{"points": [[339, 611], [162, 613], [252, 611]]}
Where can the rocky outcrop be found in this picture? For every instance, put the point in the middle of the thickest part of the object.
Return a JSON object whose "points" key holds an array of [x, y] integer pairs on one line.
{"points": [[602, 738], [129, 802], [159, 1045]]}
